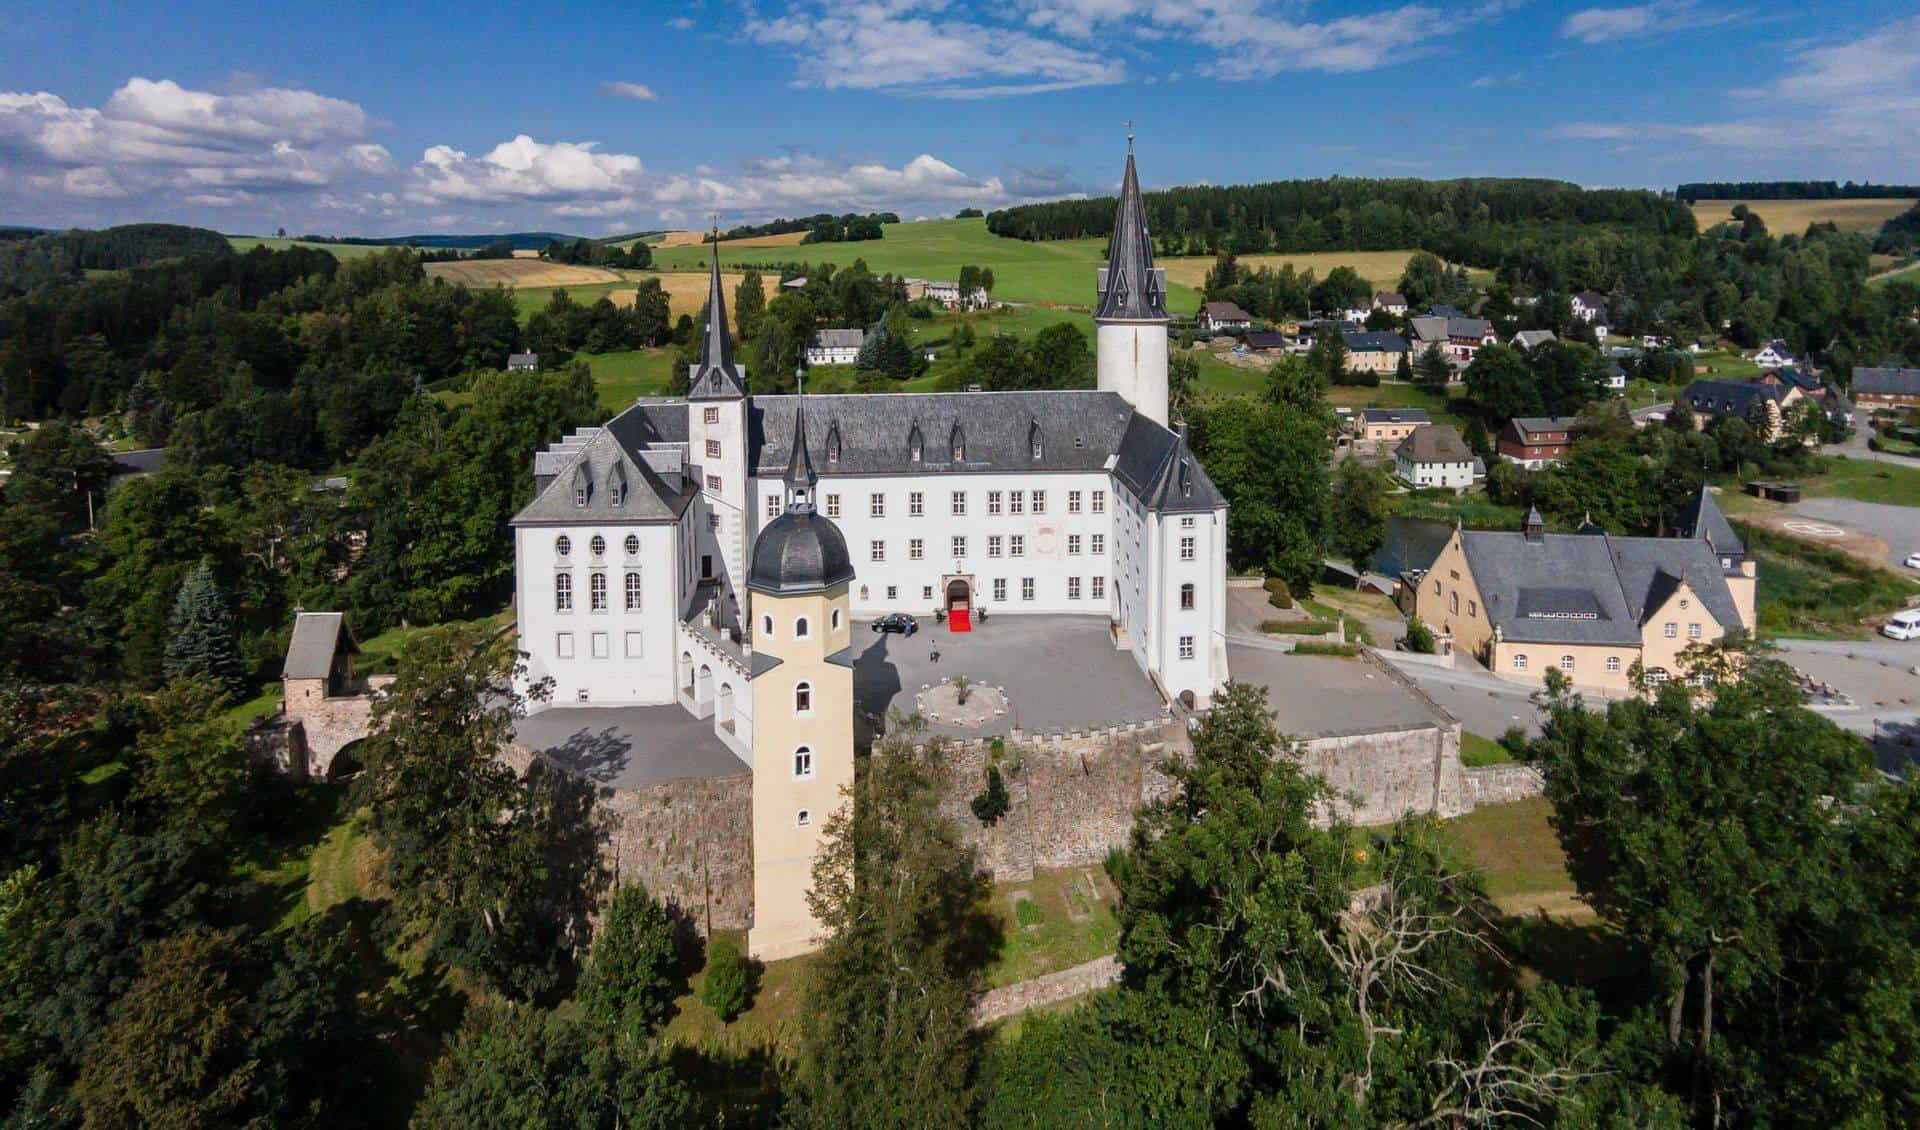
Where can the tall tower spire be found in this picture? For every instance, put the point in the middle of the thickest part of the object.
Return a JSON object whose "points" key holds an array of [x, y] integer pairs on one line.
{"points": [[716, 376], [1130, 313], [800, 476]]}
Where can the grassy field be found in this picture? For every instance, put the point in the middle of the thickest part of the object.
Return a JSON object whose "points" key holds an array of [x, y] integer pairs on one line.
{"points": [[516, 274], [619, 377], [1909, 274], [1867, 481], [1381, 268], [1818, 591], [245, 243], [1791, 217], [1514, 846]]}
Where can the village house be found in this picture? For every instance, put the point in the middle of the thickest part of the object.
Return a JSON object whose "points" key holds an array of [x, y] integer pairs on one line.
{"points": [[1436, 456], [1590, 307], [1392, 301], [522, 362], [1774, 355], [1886, 388], [835, 347], [1374, 351], [1389, 425], [1616, 376], [946, 292], [1527, 339], [1266, 341], [1223, 317], [1537, 441], [1752, 401], [1458, 337], [1589, 605]]}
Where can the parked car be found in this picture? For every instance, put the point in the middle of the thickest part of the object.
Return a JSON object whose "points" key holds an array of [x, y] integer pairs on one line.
{"points": [[1912, 561], [896, 622], [1902, 625]]}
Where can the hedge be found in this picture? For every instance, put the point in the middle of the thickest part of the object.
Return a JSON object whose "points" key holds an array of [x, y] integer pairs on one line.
{"points": [[1296, 627], [1315, 647]]}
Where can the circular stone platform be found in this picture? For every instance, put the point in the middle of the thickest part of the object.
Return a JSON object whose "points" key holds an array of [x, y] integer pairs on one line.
{"points": [[941, 703]]}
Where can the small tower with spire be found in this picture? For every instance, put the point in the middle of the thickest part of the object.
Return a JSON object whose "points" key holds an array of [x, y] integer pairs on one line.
{"points": [[1130, 314], [717, 405], [802, 704]]}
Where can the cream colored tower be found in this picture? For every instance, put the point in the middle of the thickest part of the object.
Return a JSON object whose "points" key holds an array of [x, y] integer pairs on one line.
{"points": [[802, 706]]}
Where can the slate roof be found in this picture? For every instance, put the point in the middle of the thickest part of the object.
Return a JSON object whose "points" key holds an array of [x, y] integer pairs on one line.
{"points": [[620, 487], [1435, 443], [145, 461], [316, 636], [1878, 381], [799, 552], [1161, 470], [1428, 327], [1703, 519], [1730, 397], [1266, 339], [1389, 298], [1524, 426], [1589, 589], [1374, 341], [1806, 381], [1527, 339], [519, 360], [1396, 416], [839, 339], [1131, 289], [1079, 430], [715, 376], [1590, 298], [1225, 312]]}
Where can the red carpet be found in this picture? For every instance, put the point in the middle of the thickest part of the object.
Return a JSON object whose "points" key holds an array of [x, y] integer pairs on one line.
{"points": [[959, 620]]}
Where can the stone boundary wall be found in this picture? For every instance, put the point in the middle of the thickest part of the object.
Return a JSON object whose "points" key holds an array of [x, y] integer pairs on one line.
{"points": [[1437, 659], [1383, 775], [690, 842], [1048, 988], [1503, 784]]}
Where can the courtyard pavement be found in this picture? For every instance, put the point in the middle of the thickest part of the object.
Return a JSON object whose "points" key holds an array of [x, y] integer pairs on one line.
{"points": [[1314, 695], [625, 747], [1059, 672]]}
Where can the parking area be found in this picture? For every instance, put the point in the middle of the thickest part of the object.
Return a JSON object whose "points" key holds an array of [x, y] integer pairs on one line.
{"points": [[1058, 672], [1896, 526], [1316, 696]]}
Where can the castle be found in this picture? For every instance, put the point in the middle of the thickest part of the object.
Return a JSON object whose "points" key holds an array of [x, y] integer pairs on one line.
{"points": [[715, 550]]}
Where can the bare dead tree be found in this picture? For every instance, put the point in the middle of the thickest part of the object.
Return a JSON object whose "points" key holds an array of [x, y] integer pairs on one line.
{"points": [[1510, 1080]]}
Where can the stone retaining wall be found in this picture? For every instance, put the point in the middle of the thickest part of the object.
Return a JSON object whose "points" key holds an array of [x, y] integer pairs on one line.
{"points": [[1383, 775], [1503, 784], [998, 1004]]}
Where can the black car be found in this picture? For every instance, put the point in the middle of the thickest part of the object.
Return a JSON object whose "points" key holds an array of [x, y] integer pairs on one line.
{"points": [[896, 622]]}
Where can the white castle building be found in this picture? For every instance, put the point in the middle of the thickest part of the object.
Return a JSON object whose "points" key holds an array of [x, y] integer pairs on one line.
{"points": [[713, 549]]}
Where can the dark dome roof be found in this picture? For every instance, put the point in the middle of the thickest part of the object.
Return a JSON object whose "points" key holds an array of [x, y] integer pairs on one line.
{"points": [[799, 551]]}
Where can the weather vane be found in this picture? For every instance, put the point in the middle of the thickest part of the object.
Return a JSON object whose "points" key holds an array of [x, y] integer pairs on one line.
{"points": [[1129, 135]]}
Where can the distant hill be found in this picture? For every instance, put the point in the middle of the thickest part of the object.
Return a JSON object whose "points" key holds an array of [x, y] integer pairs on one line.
{"points": [[37, 259], [521, 240]]}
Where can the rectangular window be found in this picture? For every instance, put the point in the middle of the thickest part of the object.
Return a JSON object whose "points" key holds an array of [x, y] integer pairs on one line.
{"points": [[993, 545], [600, 645], [1016, 502], [1186, 647], [632, 586], [803, 764], [1693, 631], [1073, 502], [563, 592], [597, 591], [713, 482], [959, 546], [1613, 663], [634, 649], [711, 415], [916, 549], [1073, 545], [1454, 603], [1099, 544], [1039, 502], [1099, 588], [563, 645], [1017, 545], [876, 506], [1186, 523], [893, 592], [916, 504], [1519, 661], [1026, 588], [993, 502], [1473, 608], [999, 588], [773, 506], [1073, 588], [713, 522], [959, 503], [1099, 502], [713, 449], [1186, 549], [877, 551], [926, 592], [833, 506], [1670, 629]]}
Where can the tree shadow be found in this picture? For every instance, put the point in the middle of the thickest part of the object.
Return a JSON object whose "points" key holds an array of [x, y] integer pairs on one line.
{"points": [[600, 757], [744, 1087]]}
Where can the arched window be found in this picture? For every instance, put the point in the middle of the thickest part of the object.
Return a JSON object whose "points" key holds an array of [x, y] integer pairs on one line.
{"points": [[633, 591], [1520, 662], [802, 819], [801, 629], [833, 444], [597, 591], [1033, 439], [836, 619], [766, 626], [633, 545], [563, 545], [563, 592], [803, 763], [803, 698], [1566, 663], [598, 546], [1186, 595]]}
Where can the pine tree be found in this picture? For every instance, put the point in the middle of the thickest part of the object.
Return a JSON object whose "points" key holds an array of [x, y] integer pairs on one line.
{"points": [[200, 633]]}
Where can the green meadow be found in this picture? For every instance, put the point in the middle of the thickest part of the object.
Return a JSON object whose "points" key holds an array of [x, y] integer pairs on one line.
{"points": [[245, 243]]}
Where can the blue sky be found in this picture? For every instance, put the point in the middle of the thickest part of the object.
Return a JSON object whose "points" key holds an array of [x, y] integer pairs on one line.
{"points": [[348, 118]]}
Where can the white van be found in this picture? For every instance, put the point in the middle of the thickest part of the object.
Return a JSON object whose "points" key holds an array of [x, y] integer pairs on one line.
{"points": [[1902, 625]]}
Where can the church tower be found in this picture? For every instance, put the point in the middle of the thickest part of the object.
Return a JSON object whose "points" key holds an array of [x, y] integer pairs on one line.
{"points": [[802, 705], [1130, 316], [717, 447]]}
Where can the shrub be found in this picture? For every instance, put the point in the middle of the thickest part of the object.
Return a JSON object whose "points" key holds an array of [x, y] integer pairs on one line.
{"points": [[1027, 913], [992, 804], [1277, 593], [1296, 627], [1419, 637], [731, 981], [1514, 741], [1315, 647]]}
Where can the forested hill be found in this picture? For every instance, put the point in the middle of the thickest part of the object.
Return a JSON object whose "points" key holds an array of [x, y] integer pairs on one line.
{"points": [[1793, 190], [1350, 214], [25, 263]]}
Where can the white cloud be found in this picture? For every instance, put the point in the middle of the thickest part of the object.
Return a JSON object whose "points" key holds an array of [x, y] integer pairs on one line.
{"points": [[638, 91], [569, 175], [1853, 102], [680, 23], [1605, 25]]}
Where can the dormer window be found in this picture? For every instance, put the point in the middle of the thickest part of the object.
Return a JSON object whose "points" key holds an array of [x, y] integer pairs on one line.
{"points": [[914, 444], [833, 444], [582, 486], [1033, 439], [959, 444], [617, 486], [1186, 479]]}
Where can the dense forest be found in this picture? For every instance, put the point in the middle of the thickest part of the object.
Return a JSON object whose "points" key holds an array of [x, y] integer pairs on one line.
{"points": [[64, 256], [1793, 190], [823, 227]]}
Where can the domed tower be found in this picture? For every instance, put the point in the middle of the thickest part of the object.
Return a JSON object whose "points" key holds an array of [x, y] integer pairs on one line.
{"points": [[802, 705], [1130, 317]]}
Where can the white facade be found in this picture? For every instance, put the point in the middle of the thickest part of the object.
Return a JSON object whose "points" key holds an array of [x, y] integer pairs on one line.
{"points": [[1131, 359], [1457, 475], [601, 641]]}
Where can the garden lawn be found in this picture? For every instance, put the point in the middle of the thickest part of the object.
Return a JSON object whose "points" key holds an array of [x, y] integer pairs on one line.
{"points": [[1867, 480], [1515, 848], [620, 377]]}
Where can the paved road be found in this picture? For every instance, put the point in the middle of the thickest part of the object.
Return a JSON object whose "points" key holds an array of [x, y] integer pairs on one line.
{"points": [[1855, 445], [1898, 526], [1485, 705]]}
